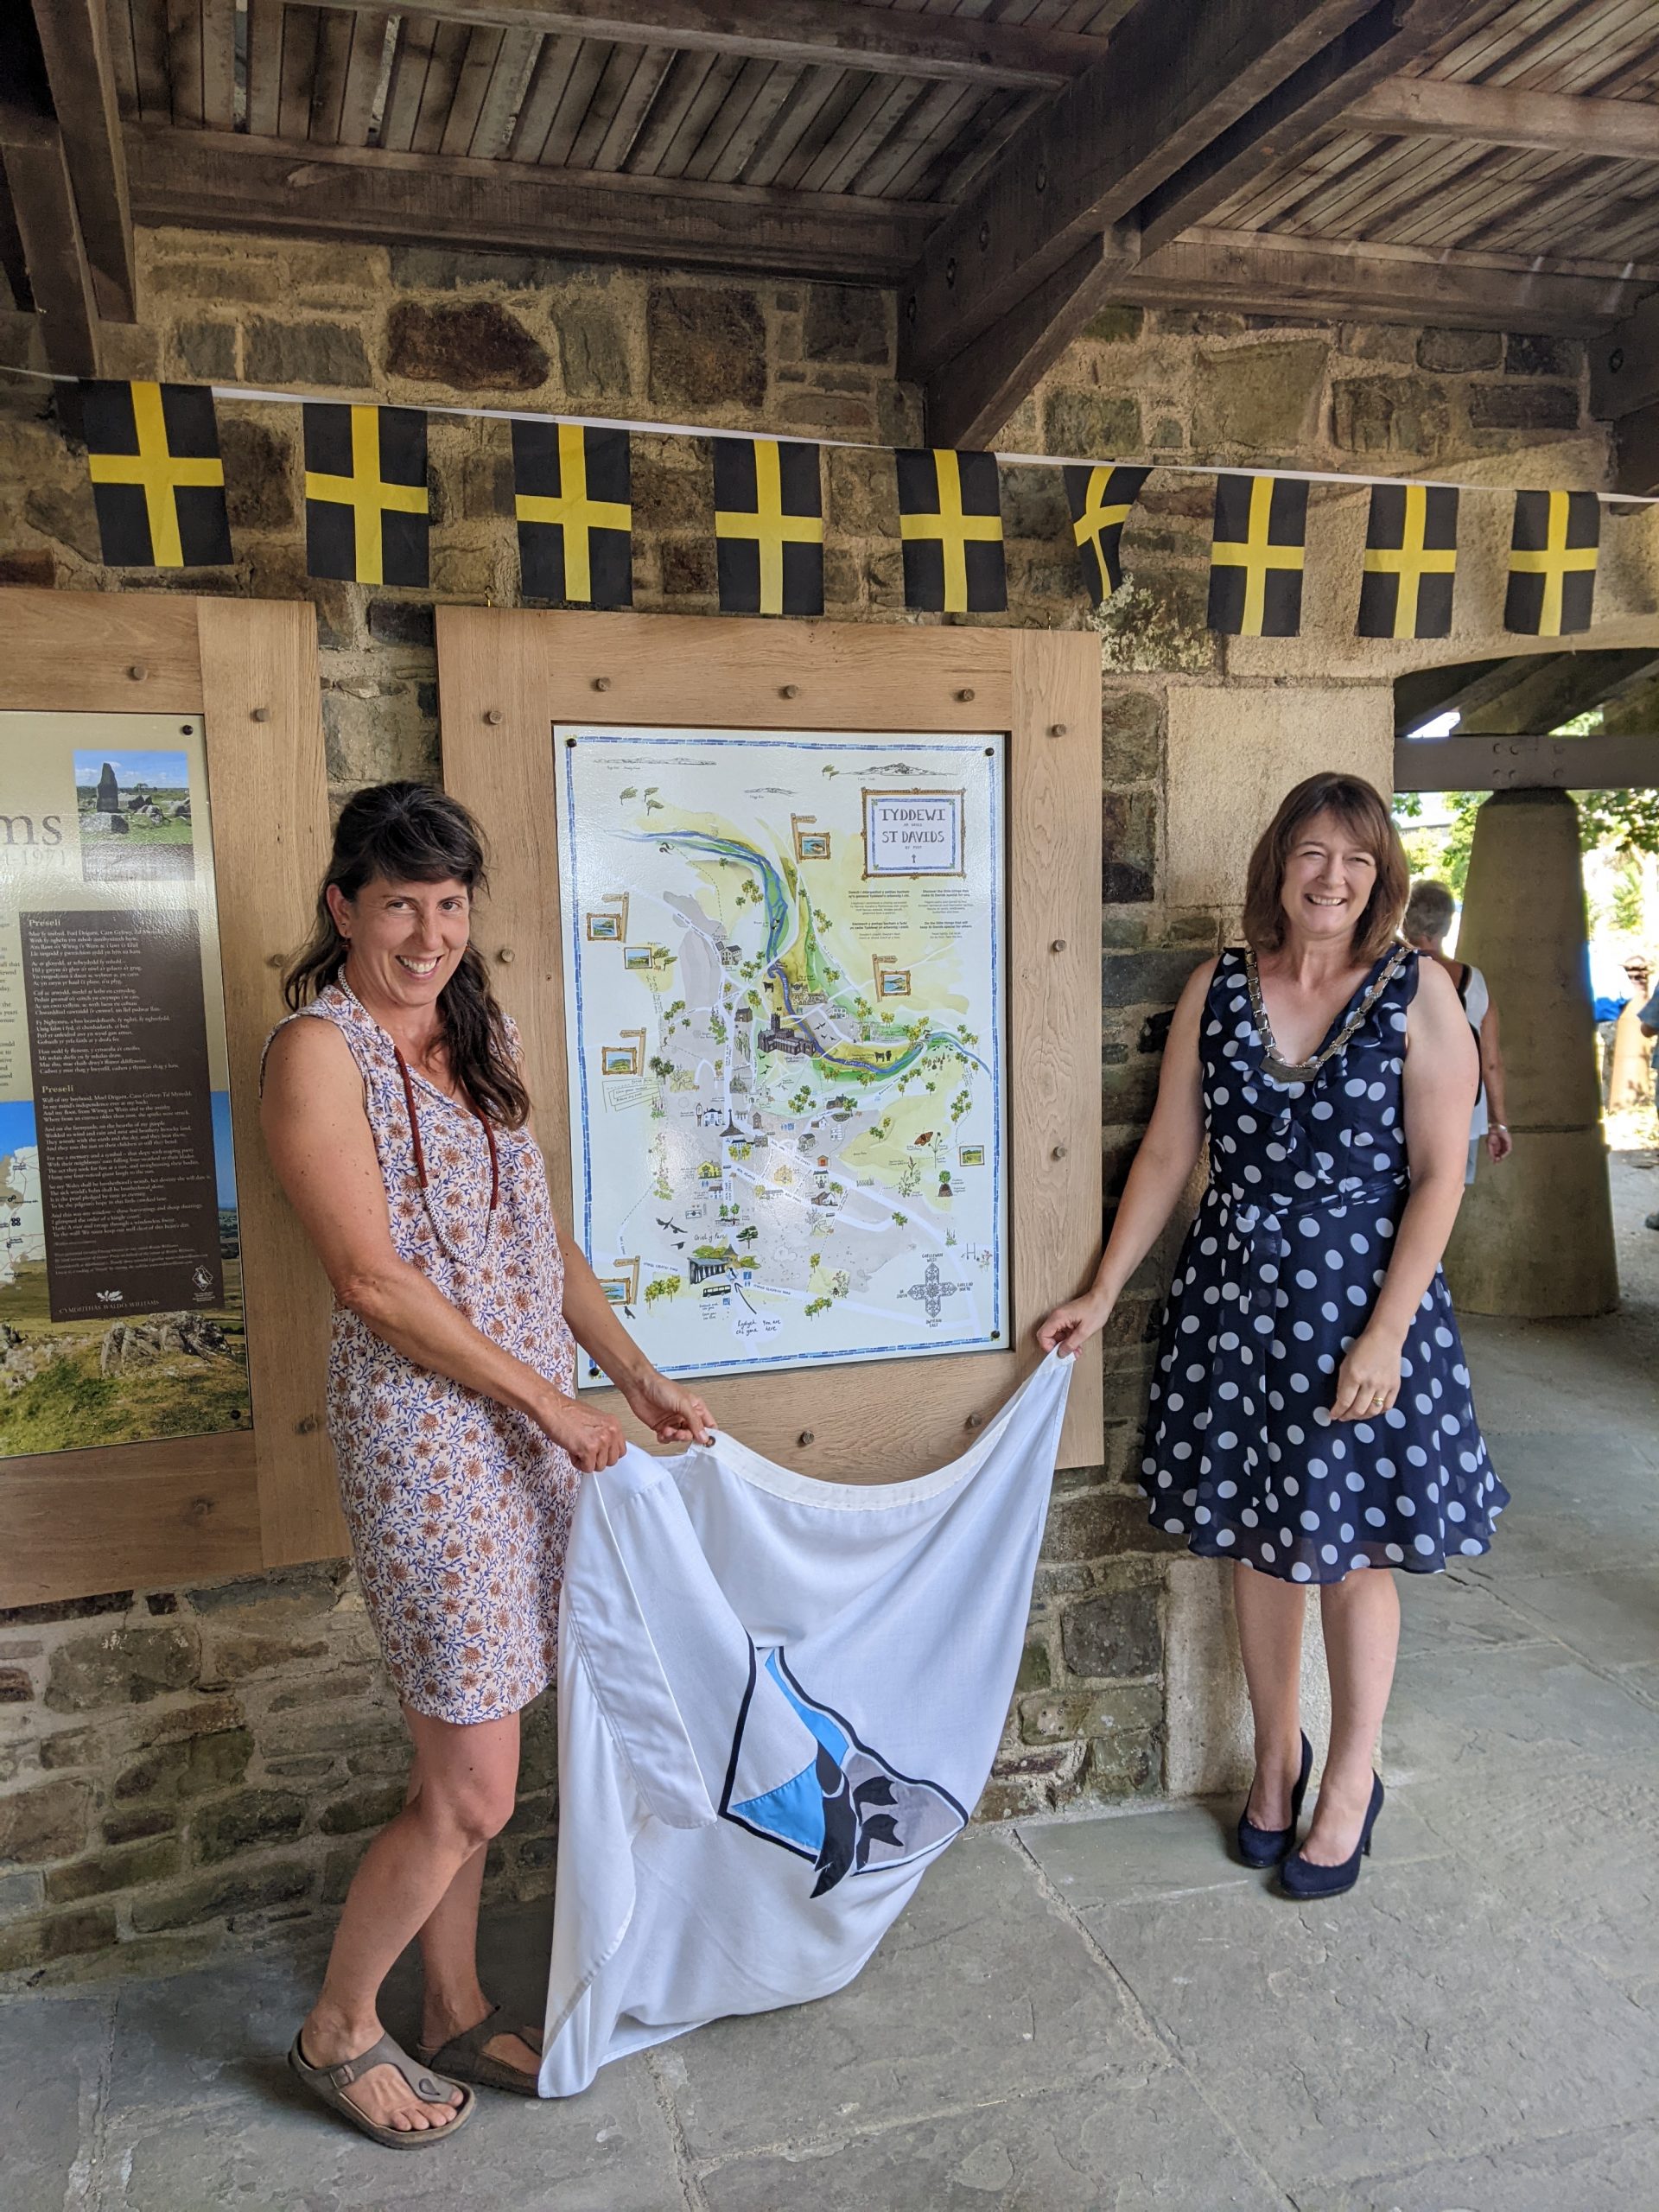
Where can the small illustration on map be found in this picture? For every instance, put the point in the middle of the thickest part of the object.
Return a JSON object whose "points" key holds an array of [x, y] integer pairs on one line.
{"points": [[791, 1042]]}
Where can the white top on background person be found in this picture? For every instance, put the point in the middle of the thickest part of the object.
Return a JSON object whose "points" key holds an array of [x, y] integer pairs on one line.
{"points": [[1429, 915]]}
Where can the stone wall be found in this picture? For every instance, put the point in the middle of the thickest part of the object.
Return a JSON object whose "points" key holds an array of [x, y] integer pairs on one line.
{"points": [[181, 1768]]}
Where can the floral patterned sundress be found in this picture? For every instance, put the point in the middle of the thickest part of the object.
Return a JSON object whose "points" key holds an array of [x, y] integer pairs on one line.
{"points": [[459, 1507]]}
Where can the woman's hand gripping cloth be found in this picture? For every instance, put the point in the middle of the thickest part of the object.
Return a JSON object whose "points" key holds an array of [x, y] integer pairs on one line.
{"points": [[778, 1701]]}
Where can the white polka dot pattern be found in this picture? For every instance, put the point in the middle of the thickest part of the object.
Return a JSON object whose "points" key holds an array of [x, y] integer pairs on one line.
{"points": [[1278, 1276]]}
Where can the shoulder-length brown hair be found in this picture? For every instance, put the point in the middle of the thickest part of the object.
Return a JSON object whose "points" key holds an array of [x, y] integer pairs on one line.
{"points": [[1363, 812], [409, 833]]}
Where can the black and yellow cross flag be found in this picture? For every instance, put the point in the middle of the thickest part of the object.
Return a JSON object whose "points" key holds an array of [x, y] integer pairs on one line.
{"points": [[769, 526], [1255, 557], [366, 520], [572, 496], [1411, 559], [1100, 500], [158, 483], [951, 520], [1553, 551]]}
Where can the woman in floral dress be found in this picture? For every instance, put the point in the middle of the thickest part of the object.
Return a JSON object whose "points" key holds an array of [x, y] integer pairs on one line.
{"points": [[395, 1112], [1311, 1417]]}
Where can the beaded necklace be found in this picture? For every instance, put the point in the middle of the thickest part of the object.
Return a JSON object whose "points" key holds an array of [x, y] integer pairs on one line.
{"points": [[1274, 1065], [459, 1259]]}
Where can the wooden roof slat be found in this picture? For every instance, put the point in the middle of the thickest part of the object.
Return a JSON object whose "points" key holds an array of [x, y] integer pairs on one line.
{"points": [[681, 84], [613, 149], [478, 60], [265, 77], [218, 64], [1571, 50], [845, 170], [1003, 117], [183, 34], [417, 36], [508, 85], [299, 74], [781, 85], [615, 79], [121, 56], [817, 86], [705, 104], [439, 87], [730, 117], [580, 87], [149, 61], [844, 95], [349, 55], [540, 103], [933, 121]]}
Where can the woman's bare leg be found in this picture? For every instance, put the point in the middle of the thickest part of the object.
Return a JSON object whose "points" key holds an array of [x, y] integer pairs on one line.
{"points": [[452, 1997], [1361, 1614], [468, 1779], [1269, 1614]]}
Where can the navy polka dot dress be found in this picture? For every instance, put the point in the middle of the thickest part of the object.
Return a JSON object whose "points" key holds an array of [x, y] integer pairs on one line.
{"points": [[1276, 1279]]}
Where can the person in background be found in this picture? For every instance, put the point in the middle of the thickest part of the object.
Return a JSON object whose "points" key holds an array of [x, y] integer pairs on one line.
{"points": [[1429, 911], [1629, 1076], [1649, 1018]]}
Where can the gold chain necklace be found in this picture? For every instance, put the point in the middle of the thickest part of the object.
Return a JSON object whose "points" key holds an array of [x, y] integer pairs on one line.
{"points": [[1274, 1065]]}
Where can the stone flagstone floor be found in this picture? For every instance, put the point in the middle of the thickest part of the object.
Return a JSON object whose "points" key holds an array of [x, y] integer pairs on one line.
{"points": [[1098, 2015]]}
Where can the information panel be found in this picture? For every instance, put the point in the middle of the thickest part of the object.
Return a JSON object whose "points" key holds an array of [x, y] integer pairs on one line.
{"points": [[120, 1288], [784, 1001]]}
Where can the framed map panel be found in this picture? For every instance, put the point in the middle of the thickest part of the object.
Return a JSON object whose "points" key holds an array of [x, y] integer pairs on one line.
{"points": [[785, 985]]}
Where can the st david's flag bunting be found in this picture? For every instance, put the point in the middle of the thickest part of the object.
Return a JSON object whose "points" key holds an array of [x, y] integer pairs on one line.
{"points": [[1100, 499], [1411, 559], [950, 522], [158, 483], [769, 525], [1554, 548], [573, 500], [366, 514], [1256, 555]]}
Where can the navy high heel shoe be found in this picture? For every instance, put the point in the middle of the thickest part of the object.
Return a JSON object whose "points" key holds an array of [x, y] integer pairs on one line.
{"points": [[1303, 1879], [1267, 1846]]}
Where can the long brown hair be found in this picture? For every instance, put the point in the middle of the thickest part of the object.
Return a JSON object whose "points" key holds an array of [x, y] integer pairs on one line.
{"points": [[409, 833], [1363, 812]]}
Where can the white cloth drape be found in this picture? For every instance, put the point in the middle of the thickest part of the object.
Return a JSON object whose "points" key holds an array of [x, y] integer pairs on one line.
{"points": [[778, 1700]]}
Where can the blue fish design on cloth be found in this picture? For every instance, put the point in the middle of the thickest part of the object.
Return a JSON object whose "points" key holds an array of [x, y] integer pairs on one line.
{"points": [[847, 1810]]}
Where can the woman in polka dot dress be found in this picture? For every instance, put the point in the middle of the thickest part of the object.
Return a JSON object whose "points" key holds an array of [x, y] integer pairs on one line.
{"points": [[1310, 1415]]}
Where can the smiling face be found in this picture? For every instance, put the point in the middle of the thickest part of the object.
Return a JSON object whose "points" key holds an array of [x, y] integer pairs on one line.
{"points": [[1330, 874], [406, 939]]}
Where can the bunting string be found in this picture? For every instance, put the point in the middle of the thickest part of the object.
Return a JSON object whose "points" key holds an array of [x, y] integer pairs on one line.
{"points": [[158, 484]]}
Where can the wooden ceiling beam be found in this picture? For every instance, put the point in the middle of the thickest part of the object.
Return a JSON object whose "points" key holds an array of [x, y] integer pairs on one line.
{"points": [[1508, 115], [80, 68], [971, 393], [1332, 279], [59, 276], [211, 179], [1504, 763], [834, 33], [1173, 79]]}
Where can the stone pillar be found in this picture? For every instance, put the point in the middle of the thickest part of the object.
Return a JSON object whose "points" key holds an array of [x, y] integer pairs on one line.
{"points": [[1535, 1239]]}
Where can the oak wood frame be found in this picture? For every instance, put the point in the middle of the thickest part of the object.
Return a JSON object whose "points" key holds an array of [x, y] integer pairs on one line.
{"points": [[190, 1508], [506, 676]]}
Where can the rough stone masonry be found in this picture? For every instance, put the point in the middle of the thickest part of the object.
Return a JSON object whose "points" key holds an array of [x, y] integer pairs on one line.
{"points": [[182, 1767]]}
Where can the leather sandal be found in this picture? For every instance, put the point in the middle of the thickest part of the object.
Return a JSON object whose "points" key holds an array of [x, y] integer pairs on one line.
{"points": [[465, 2056], [329, 2084]]}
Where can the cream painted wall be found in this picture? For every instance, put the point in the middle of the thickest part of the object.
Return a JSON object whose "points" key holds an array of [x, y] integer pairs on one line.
{"points": [[1235, 750]]}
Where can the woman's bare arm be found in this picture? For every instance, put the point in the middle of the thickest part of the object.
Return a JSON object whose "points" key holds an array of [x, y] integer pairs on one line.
{"points": [[322, 1148], [1491, 1074], [1163, 1165], [1438, 1096]]}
